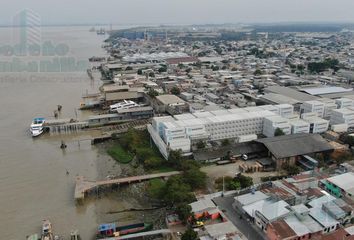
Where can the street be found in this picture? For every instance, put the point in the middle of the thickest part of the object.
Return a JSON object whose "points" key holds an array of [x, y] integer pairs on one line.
{"points": [[247, 229]]}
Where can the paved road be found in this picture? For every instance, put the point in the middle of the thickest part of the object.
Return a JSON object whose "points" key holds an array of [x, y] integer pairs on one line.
{"points": [[247, 229]]}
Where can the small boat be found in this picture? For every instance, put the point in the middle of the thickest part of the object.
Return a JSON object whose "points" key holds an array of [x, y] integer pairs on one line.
{"points": [[47, 231], [112, 230], [37, 127], [101, 31], [123, 105]]}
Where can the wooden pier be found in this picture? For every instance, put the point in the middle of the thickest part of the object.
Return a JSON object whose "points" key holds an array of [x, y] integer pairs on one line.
{"points": [[142, 234], [65, 125], [83, 186]]}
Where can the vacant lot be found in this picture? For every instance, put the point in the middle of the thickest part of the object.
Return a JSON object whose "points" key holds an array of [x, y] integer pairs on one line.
{"points": [[215, 171]]}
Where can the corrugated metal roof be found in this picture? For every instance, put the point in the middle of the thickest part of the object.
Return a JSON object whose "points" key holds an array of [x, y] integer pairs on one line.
{"points": [[295, 145], [326, 90]]}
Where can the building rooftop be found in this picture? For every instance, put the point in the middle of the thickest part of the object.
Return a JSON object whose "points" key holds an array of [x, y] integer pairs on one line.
{"points": [[274, 210], [169, 99], [295, 145], [220, 229], [276, 98], [318, 202], [283, 230], [325, 90], [250, 198], [344, 181], [322, 217], [289, 92], [202, 205], [297, 226]]}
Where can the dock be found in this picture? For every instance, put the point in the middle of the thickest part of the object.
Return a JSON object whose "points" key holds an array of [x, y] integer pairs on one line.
{"points": [[83, 186], [142, 234], [65, 125]]}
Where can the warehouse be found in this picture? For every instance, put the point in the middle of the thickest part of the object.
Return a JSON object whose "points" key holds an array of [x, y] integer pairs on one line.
{"points": [[288, 149]]}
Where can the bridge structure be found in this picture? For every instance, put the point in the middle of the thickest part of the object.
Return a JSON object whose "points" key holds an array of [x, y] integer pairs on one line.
{"points": [[83, 186]]}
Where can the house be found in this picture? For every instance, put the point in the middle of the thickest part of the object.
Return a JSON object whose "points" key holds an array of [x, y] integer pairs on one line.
{"points": [[220, 231], [205, 208], [113, 93], [341, 185], [169, 102]]}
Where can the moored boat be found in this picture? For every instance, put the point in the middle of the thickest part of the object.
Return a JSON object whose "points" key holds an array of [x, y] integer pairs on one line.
{"points": [[112, 230], [36, 127]]}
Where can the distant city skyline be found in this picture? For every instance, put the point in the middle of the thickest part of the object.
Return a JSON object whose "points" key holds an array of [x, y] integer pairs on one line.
{"points": [[142, 12]]}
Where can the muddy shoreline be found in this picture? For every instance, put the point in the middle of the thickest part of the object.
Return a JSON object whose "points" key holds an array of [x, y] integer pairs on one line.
{"points": [[121, 204]]}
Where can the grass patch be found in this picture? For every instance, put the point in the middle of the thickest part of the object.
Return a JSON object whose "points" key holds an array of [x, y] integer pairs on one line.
{"points": [[162, 169], [120, 155]]}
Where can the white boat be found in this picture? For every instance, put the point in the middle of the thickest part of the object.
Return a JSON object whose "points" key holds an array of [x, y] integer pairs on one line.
{"points": [[37, 127], [123, 105]]}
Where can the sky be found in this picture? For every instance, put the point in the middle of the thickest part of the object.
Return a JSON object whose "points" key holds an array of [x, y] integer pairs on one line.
{"points": [[181, 11]]}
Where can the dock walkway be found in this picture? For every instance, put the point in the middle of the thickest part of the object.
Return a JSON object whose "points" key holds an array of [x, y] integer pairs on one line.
{"points": [[83, 186], [142, 234]]}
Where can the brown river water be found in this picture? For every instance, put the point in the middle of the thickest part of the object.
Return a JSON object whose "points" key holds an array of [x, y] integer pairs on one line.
{"points": [[33, 180]]}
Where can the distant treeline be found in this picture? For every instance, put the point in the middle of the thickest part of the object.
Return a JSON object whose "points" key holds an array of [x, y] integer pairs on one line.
{"points": [[299, 28]]}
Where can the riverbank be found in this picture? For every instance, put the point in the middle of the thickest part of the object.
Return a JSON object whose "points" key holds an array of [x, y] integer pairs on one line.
{"points": [[116, 205]]}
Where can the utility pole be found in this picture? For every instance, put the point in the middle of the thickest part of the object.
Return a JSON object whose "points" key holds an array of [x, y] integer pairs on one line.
{"points": [[223, 186]]}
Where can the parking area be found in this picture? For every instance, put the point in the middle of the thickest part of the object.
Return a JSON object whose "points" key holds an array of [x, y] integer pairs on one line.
{"points": [[249, 230]]}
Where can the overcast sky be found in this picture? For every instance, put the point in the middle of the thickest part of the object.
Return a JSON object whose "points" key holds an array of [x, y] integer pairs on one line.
{"points": [[181, 11]]}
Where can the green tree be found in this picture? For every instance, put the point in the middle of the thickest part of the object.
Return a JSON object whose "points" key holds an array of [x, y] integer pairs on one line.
{"points": [[278, 132], [184, 212], [234, 185], [152, 93], [175, 158], [200, 145], [151, 74], [257, 72], [181, 65], [152, 162], [156, 188], [175, 90], [229, 183], [194, 178], [129, 68], [225, 142], [244, 181], [162, 69], [189, 234], [215, 68], [291, 169], [177, 191], [140, 72], [349, 140]]}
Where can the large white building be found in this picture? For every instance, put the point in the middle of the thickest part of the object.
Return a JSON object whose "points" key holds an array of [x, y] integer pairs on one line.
{"points": [[344, 102], [330, 105], [299, 126], [242, 124], [271, 123], [313, 106], [285, 110], [317, 124], [180, 131], [343, 115]]}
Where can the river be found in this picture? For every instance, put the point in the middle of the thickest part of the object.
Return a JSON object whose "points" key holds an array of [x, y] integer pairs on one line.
{"points": [[33, 180]]}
